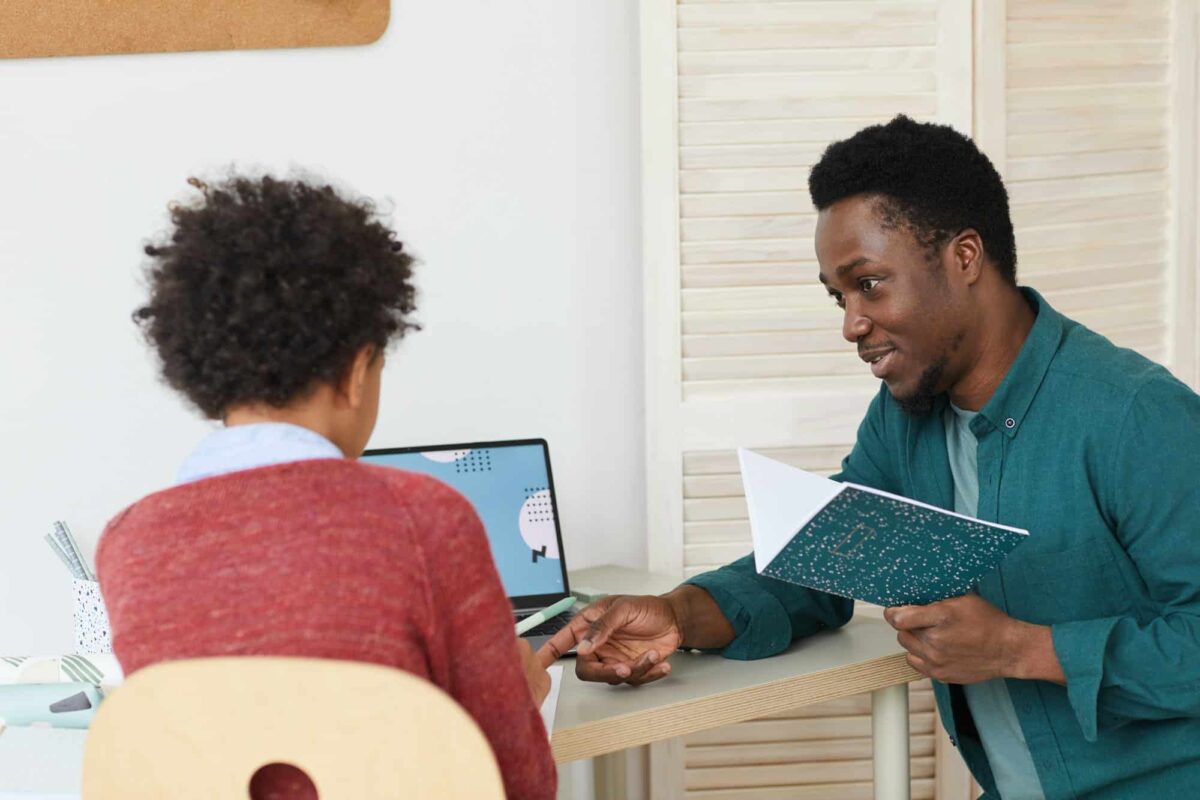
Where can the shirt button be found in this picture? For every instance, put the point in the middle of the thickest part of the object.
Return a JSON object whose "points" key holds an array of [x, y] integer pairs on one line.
{"points": [[1010, 423]]}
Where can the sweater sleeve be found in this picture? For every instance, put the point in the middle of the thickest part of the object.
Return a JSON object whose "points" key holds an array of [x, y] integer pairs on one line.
{"points": [[475, 631]]}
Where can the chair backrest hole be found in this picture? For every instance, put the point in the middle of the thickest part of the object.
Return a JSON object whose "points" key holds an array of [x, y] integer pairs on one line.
{"points": [[281, 781]]}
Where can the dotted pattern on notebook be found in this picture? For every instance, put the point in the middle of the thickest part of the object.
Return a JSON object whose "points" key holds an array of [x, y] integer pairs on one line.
{"points": [[884, 551]]}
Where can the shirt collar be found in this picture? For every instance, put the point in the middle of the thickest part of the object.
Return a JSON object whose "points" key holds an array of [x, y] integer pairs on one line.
{"points": [[260, 444], [1007, 408]]}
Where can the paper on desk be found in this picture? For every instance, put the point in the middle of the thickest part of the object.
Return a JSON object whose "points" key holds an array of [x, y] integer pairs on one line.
{"points": [[550, 704]]}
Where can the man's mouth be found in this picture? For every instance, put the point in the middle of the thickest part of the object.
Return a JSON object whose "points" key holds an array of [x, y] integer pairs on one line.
{"points": [[879, 360]]}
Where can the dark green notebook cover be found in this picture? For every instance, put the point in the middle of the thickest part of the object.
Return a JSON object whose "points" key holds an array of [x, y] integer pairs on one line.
{"points": [[890, 551]]}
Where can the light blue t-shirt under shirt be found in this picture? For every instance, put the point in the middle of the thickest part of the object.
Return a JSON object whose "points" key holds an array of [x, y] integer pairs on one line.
{"points": [[990, 704], [258, 444]]}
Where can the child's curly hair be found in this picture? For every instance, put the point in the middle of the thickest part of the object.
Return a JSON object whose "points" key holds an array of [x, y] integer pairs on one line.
{"points": [[267, 287]]}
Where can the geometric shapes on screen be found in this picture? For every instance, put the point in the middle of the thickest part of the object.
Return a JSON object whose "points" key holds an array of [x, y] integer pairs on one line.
{"points": [[509, 486], [536, 523], [463, 460], [474, 461], [445, 456]]}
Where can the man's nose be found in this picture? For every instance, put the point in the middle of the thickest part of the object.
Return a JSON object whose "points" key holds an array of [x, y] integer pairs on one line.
{"points": [[854, 325]]}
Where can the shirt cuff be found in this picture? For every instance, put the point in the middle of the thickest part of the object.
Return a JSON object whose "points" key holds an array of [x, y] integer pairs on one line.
{"points": [[1080, 647], [760, 624]]}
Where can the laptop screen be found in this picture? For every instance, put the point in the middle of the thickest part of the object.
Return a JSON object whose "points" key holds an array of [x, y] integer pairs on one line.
{"points": [[512, 490]]}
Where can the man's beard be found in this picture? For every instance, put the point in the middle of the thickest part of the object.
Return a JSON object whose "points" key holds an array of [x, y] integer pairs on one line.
{"points": [[920, 402]]}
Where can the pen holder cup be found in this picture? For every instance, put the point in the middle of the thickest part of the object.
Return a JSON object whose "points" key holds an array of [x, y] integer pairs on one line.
{"points": [[92, 634]]}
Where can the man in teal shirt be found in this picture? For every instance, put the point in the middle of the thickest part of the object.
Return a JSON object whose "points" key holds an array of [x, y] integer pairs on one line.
{"points": [[1074, 670]]}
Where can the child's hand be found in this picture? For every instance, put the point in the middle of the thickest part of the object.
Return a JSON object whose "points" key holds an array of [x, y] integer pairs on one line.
{"points": [[535, 665]]}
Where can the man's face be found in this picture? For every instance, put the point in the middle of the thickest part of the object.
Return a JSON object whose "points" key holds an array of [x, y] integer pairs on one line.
{"points": [[900, 309]]}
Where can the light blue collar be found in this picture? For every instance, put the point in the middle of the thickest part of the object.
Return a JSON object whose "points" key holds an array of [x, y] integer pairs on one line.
{"points": [[242, 447]]}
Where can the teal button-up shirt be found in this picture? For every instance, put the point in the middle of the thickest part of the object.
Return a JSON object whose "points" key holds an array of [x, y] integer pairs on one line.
{"points": [[1096, 452]]}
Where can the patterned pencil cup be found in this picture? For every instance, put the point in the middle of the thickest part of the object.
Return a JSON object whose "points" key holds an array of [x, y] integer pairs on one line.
{"points": [[92, 634]]}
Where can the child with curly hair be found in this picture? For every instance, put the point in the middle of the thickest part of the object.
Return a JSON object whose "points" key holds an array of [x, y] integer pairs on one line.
{"points": [[271, 304]]}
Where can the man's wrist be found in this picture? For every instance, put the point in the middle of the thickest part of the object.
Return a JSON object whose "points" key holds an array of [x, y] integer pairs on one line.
{"points": [[1033, 657], [701, 623], [677, 599]]}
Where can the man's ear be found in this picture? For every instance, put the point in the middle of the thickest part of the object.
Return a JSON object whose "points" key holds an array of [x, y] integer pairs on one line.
{"points": [[967, 252], [351, 388]]}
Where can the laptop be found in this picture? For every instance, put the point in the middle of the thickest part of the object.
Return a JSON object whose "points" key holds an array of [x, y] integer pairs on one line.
{"points": [[512, 489]]}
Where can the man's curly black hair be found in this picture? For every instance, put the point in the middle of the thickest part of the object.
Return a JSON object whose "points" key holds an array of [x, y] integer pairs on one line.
{"points": [[930, 178], [267, 287]]}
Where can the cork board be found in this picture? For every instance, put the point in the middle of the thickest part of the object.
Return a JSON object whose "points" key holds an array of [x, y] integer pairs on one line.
{"points": [[33, 28]]}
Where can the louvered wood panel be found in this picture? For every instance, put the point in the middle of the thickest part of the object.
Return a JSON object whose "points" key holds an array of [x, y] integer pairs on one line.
{"points": [[1088, 148], [743, 349], [716, 528], [921, 790], [815, 751], [763, 88]]}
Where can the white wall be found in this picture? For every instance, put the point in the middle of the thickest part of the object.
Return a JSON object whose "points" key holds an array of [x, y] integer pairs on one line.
{"points": [[505, 137]]}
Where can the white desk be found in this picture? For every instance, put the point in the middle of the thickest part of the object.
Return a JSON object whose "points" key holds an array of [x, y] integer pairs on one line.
{"points": [[42, 763]]}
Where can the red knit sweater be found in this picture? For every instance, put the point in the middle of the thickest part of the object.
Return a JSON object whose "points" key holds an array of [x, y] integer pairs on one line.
{"points": [[331, 559]]}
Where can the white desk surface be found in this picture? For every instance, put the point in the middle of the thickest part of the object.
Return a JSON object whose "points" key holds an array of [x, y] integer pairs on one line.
{"points": [[707, 691], [42, 763]]}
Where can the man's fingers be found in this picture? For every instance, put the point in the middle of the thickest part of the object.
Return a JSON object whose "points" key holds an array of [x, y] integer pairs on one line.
{"points": [[897, 616], [918, 664], [912, 643], [657, 672], [907, 618], [592, 669], [643, 665], [600, 628], [646, 669], [572, 634]]}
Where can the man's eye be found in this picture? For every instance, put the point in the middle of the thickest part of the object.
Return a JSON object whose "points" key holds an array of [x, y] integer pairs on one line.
{"points": [[837, 299], [867, 284]]}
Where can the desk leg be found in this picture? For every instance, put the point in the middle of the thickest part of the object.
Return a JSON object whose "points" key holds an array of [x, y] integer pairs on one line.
{"points": [[622, 775], [609, 776], [575, 780], [889, 733]]}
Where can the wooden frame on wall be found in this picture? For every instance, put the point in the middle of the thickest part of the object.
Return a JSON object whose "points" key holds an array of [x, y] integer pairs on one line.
{"points": [[38, 28]]}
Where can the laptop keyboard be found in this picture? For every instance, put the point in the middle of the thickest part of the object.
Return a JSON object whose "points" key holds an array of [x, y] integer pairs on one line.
{"points": [[550, 626]]}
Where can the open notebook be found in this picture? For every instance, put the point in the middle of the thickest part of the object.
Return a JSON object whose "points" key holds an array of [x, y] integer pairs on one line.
{"points": [[862, 543]]}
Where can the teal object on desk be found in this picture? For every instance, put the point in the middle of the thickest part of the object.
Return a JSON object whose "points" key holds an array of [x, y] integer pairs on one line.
{"points": [[59, 705], [550, 612]]}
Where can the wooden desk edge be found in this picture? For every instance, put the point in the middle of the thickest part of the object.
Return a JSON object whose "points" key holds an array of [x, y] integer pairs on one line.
{"points": [[724, 708]]}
